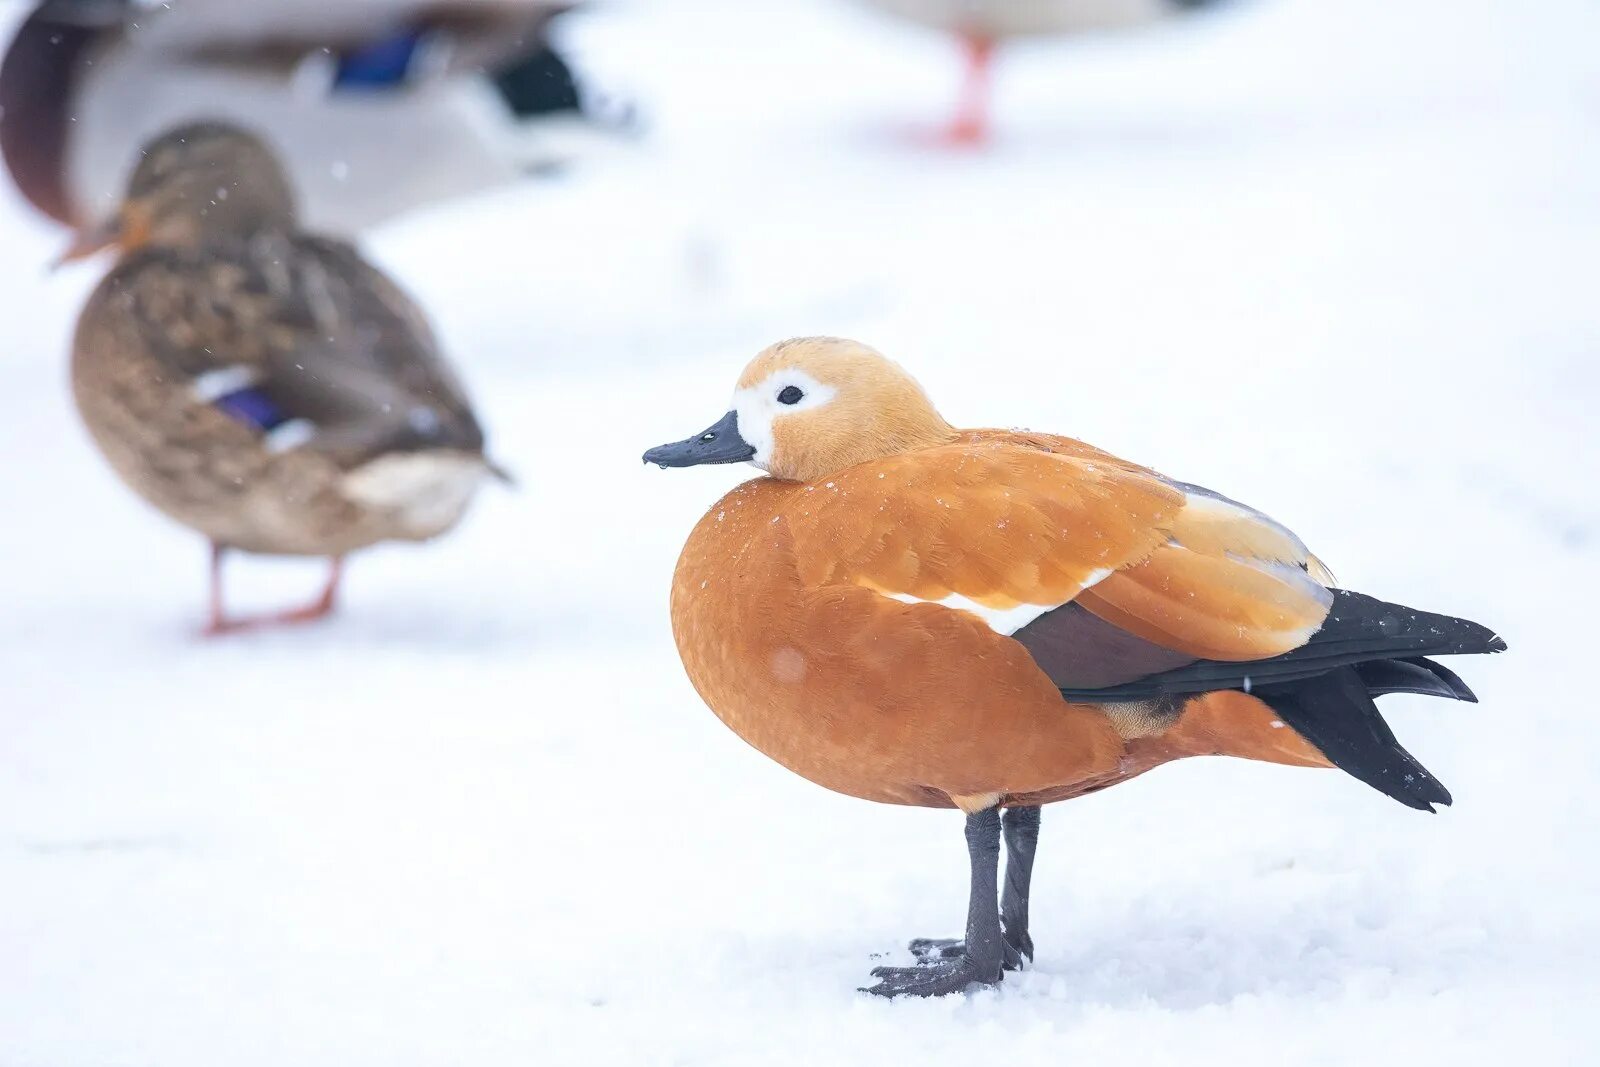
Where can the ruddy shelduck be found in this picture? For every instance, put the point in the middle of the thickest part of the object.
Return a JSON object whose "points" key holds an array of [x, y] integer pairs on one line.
{"points": [[993, 620], [262, 385]]}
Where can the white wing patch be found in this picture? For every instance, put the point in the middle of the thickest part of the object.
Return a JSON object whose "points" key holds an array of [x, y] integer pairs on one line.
{"points": [[288, 435], [1003, 621], [215, 384]]}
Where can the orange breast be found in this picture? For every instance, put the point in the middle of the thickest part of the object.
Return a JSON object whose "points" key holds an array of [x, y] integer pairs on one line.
{"points": [[861, 693]]}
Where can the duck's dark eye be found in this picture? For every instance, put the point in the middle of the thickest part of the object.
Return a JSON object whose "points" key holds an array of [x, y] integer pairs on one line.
{"points": [[791, 394]]}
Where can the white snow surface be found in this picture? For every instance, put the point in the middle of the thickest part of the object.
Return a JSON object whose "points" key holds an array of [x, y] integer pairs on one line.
{"points": [[1335, 260]]}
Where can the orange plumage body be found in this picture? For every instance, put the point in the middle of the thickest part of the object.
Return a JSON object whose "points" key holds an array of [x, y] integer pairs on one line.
{"points": [[785, 613]]}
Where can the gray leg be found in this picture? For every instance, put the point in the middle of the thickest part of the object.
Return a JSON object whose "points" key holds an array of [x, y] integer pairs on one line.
{"points": [[982, 957], [1022, 840]]}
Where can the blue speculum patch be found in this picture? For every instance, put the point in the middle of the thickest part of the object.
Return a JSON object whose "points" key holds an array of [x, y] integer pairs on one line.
{"points": [[253, 407], [382, 64]]}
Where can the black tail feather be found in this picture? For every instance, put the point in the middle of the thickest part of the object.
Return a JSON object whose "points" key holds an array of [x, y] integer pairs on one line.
{"points": [[1335, 712], [1420, 676], [1400, 676], [1451, 679]]}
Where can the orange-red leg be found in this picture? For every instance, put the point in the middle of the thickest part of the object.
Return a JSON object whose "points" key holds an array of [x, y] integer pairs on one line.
{"points": [[970, 126], [221, 623]]}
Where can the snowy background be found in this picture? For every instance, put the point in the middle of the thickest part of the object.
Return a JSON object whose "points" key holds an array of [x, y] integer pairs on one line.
{"points": [[1336, 259]]}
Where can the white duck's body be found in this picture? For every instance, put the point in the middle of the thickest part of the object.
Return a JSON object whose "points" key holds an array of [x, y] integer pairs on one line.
{"points": [[355, 162], [983, 24], [375, 106], [1001, 19]]}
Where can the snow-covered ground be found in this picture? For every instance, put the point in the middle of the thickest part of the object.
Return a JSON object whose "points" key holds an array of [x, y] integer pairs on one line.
{"points": [[1338, 260]]}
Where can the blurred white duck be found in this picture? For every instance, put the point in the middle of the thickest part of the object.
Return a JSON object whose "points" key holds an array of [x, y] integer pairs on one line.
{"points": [[375, 106], [983, 24]]}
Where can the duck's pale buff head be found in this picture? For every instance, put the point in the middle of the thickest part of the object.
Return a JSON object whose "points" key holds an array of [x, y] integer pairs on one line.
{"points": [[193, 183], [811, 406]]}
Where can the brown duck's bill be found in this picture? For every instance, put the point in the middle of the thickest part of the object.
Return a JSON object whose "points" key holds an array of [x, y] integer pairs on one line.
{"points": [[718, 443], [127, 230], [89, 240]]}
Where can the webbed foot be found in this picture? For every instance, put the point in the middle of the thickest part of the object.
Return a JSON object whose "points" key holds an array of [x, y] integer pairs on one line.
{"points": [[935, 978]]}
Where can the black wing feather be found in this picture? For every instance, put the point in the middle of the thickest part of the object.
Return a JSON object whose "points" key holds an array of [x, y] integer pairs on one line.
{"points": [[1323, 690], [1359, 629]]}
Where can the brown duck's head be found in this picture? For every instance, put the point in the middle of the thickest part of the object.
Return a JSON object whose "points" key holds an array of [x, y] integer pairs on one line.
{"points": [[191, 184], [811, 406]]}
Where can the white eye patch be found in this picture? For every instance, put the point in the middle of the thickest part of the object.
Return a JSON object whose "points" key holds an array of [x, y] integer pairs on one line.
{"points": [[758, 407]]}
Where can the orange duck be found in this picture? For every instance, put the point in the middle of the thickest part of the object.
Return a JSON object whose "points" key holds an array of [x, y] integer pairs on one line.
{"points": [[995, 620]]}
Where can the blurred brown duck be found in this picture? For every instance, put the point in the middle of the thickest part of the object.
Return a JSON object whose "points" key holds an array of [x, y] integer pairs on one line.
{"points": [[262, 385]]}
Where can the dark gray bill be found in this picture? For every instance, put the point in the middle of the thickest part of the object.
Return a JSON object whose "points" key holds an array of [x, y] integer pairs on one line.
{"points": [[720, 443]]}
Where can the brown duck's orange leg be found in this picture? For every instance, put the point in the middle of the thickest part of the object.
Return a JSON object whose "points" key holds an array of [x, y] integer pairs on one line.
{"points": [[320, 608], [218, 623], [970, 127]]}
